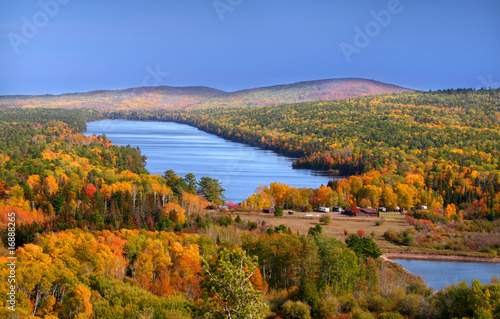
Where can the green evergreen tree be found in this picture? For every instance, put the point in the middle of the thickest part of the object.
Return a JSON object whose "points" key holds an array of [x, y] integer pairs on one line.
{"points": [[228, 290]]}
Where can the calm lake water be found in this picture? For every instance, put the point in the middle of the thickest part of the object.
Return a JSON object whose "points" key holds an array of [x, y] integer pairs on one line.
{"points": [[185, 149], [439, 274]]}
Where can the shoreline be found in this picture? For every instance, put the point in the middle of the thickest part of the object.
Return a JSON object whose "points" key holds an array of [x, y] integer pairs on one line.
{"points": [[413, 256]]}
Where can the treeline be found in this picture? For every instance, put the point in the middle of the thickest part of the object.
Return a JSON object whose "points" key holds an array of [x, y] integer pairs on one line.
{"points": [[451, 139], [75, 119], [371, 190]]}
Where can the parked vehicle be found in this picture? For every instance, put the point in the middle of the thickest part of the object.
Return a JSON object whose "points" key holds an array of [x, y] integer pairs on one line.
{"points": [[324, 209], [382, 209]]}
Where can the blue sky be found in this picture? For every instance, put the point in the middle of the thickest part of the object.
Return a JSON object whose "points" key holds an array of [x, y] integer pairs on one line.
{"points": [[61, 46]]}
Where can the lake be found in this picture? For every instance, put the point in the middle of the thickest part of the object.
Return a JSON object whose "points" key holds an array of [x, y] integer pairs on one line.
{"points": [[185, 149], [439, 274]]}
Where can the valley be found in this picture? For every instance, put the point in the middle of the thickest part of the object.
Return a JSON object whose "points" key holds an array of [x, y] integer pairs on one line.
{"points": [[109, 226]]}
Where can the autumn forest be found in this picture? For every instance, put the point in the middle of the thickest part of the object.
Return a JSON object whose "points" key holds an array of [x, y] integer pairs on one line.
{"points": [[98, 236]]}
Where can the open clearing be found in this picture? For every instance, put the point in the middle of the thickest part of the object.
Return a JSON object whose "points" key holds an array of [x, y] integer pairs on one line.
{"points": [[301, 222]]}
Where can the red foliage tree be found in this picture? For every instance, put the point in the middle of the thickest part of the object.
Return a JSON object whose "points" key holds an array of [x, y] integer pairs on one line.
{"points": [[354, 209], [232, 206], [90, 190]]}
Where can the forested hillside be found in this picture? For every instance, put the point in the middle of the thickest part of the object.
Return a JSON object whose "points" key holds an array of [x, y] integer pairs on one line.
{"points": [[156, 97], [433, 149], [321, 90], [188, 98], [97, 236]]}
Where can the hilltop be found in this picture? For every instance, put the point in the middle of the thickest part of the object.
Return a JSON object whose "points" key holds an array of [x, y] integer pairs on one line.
{"points": [[153, 97], [198, 97], [309, 91]]}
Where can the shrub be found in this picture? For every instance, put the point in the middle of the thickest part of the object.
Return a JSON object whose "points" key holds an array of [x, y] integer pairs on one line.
{"points": [[429, 215], [281, 229], [411, 305], [316, 230], [252, 225], [347, 302], [238, 219], [225, 221], [278, 211], [325, 219], [408, 238], [377, 303], [405, 237], [296, 310], [328, 306], [360, 314], [277, 299], [390, 315], [391, 236]]}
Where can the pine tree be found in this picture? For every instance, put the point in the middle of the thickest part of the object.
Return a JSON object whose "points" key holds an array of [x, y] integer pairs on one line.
{"points": [[229, 292]]}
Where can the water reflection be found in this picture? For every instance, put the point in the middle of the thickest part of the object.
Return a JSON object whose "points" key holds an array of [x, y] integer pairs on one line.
{"points": [[185, 149]]}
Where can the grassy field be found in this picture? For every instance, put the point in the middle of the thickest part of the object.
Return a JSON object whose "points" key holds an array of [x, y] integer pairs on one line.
{"points": [[301, 223]]}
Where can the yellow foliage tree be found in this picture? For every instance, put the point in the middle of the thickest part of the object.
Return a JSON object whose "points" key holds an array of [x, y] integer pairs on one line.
{"points": [[33, 182], [192, 203], [324, 196], [78, 305], [389, 198], [175, 212], [416, 180], [450, 211], [279, 192], [124, 187], [50, 186]]}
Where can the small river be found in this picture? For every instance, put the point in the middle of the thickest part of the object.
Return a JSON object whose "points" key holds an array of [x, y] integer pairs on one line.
{"points": [[185, 149], [439, 274]]}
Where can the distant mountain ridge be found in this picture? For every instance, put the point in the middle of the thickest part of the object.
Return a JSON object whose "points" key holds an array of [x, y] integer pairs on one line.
{"points": [[194, 97], [308, 91]]}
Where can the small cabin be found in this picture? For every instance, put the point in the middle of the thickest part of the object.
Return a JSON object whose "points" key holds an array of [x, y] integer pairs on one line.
{"points": [[268, 210], [369, 211], [362, 212]]}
